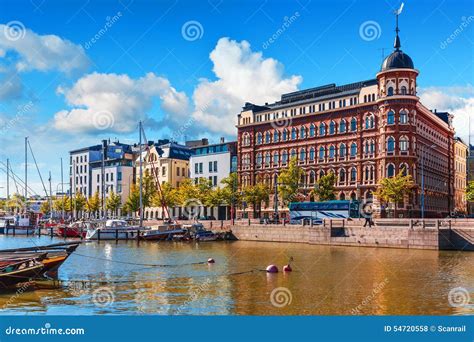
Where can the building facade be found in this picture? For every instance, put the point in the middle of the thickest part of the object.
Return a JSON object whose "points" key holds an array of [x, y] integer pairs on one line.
{"points": [[80, 170], [460, 175], [362, 132]]}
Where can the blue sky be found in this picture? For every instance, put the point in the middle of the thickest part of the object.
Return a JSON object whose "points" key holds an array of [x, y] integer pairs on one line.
{"points": [[65, 91]]}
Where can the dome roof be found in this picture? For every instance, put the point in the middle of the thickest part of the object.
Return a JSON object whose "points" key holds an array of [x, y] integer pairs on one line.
{"points": [[397, 60]]}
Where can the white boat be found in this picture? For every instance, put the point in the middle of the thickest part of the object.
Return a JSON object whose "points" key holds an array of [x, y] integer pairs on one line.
{"points": [[16, 225], [114, 230]]}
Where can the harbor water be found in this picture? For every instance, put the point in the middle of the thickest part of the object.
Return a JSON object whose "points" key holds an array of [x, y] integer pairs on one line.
{"points": [[167, 278]]}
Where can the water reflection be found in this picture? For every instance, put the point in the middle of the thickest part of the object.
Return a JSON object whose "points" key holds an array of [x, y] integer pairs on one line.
{"points": [[325, 280]]}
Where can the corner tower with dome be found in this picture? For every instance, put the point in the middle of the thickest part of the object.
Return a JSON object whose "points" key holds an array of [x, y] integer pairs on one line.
{"points": [[362, 132]]}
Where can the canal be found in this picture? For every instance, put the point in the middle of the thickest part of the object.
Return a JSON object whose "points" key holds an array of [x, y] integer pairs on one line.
{"points": [[116, 278]]}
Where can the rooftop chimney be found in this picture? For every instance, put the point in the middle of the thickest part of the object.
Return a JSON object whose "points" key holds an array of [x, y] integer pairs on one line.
{"points": [[222, 140]]}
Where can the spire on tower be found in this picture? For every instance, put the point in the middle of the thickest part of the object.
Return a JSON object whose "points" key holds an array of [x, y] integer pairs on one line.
{"points": [[397, 44]]}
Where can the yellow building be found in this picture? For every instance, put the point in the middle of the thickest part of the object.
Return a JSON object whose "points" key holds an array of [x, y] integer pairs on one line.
{"points": [[460, 176], [170, 163]]}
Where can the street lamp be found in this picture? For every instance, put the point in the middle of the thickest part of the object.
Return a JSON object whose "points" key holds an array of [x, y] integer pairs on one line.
{"points": [[423, 178]]}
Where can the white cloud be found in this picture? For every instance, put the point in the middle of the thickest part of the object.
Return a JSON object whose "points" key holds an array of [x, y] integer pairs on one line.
{"points": [[458, 100], [242, 76], [43, 52], [10, 85], [115, 103]]}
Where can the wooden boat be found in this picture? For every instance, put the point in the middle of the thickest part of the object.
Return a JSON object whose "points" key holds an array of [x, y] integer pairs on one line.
{"points": [[19, 272], [114, 230], [51, 256], [19, 225], [162, 232]]}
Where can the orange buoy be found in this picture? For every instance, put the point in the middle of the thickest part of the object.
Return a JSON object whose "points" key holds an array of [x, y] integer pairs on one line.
{"points": [[287, 268], [272, 269], [210, 261]]}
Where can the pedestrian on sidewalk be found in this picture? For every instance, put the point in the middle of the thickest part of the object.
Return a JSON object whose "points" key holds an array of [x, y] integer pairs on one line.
{"points": [[368, 219]]}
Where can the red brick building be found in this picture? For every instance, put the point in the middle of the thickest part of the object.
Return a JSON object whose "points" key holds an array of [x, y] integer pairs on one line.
{"points": [[362, 132]]}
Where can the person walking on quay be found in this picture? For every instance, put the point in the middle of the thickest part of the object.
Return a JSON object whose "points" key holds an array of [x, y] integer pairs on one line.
{"points": [[368, 219]]}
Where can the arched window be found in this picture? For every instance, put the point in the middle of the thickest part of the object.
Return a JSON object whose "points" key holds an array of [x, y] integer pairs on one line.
{"points": [[322, 129], [369, 122], [321, 174], [353, 149], [259, 159], [403, 116], [390, 170], [246, 139], [403, 90], [342, 197], [390, 91], [390, 144], [342, 176], [404, 168], [267, 158], [372, 147], [284, 157], [302, 132], [293, 153], [366, 173], [312, 130], [404, 144], [311, 154], [390, 117], [332, 151], [342, 150], [353, 124], [353, 174], [302, 154], [268, 138], [259, 138], [276, 136], [342, 126], [285, 135], [322, 152], [276, 158], [312, 177], [293, 133], [332, 127]]}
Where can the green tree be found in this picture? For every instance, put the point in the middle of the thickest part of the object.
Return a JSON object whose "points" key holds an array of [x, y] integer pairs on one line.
{"points": [[256, 194], [16, 203], [324, 189], [113, 203], [62, 203], [394, 189], [93, 204], [169, 197], [79, 202], [230, 191], [132, 204], [149, 189], [187, 190], [470, 191], [289, 181]]}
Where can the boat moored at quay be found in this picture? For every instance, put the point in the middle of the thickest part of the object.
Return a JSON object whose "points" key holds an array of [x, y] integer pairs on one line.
{"points": [[114, 230]]}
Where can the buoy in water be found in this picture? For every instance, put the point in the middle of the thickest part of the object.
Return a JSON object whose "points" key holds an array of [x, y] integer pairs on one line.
{"points": [[210, 261], [287, 268], [272, 269]]}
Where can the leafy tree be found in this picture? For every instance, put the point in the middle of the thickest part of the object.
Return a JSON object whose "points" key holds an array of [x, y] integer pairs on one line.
{"points": [[93, 204], [324, 189], [132, 204], [169, 196], [187, 190], [62, 203], [113, 202], [149, 189], [79, 202], [230, 191], [289, 181], [16, 202], [394, 189], [256, 194], [215, 198], [470, 191], [45, 207]]}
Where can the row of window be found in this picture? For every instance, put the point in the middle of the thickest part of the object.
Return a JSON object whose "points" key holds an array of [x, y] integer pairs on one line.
{"points": [[199, 167]]}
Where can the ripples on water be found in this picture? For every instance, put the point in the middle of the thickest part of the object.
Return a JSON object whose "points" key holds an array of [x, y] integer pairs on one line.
{"points": [[325, 280]]}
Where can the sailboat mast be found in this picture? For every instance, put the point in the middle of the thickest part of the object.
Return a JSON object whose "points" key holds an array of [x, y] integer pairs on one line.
{"points": [[50, 197], [26, 171], [141, 173], [62, 190], [8, 179]]}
